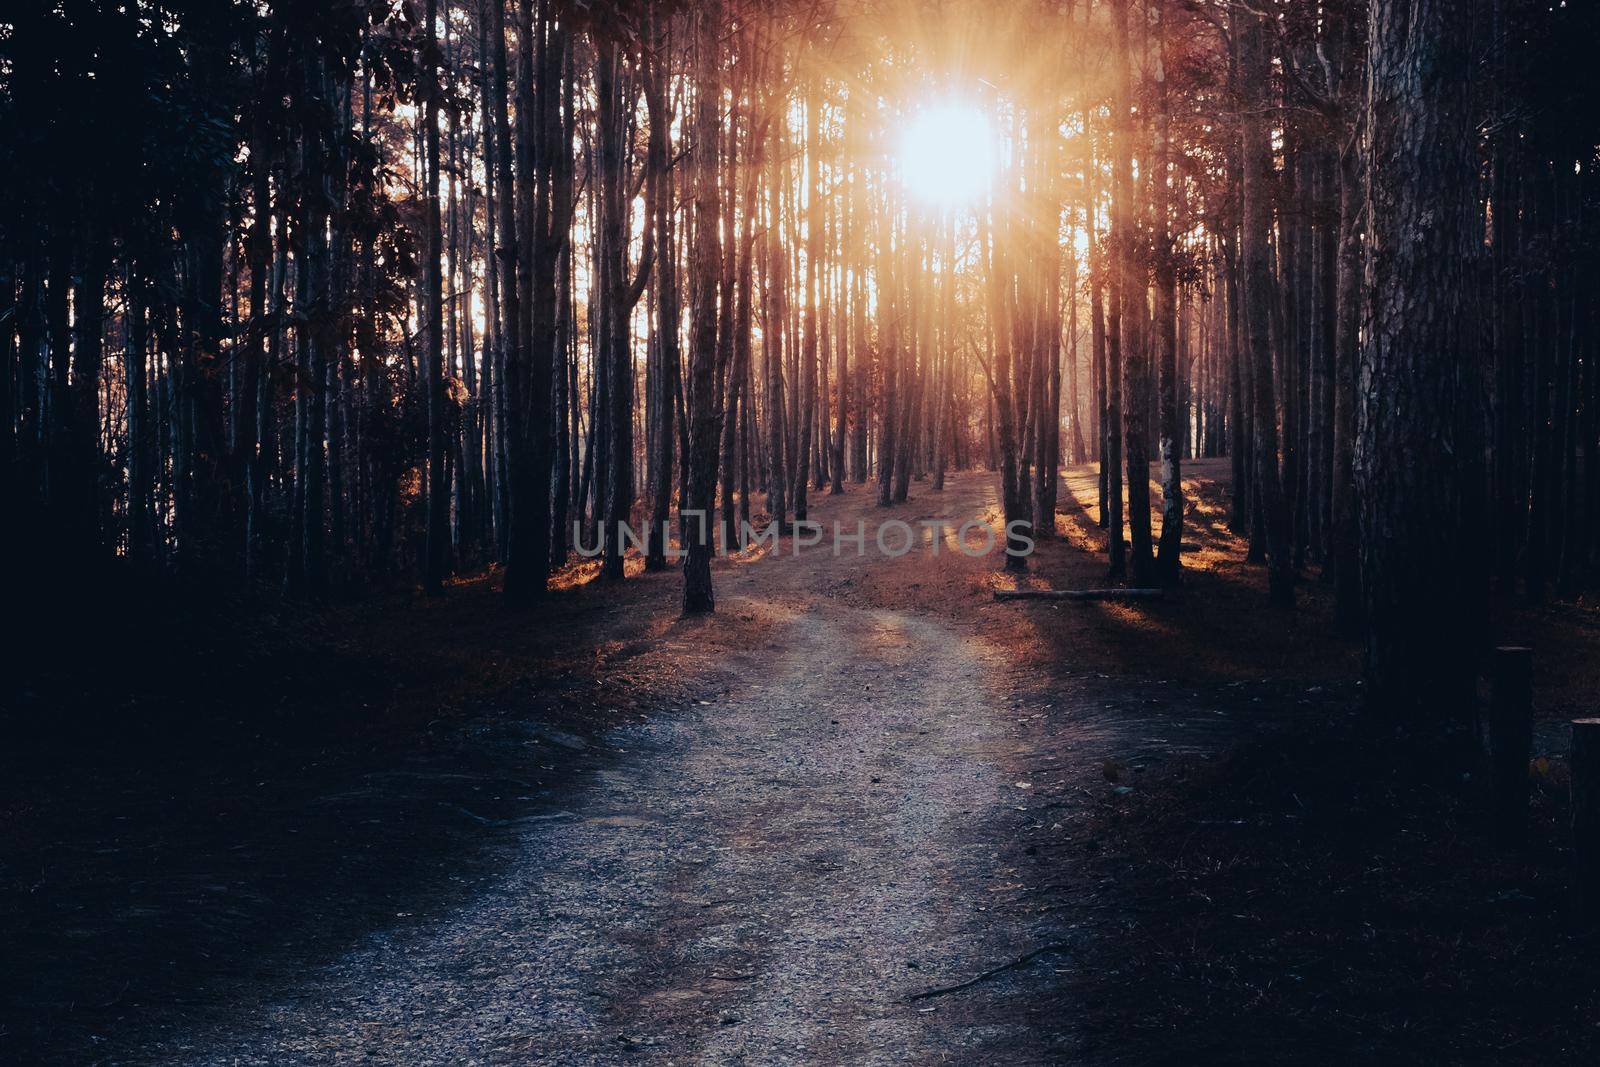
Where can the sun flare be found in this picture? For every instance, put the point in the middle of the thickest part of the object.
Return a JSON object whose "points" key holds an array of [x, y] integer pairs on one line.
{"points": [[947, 154]]}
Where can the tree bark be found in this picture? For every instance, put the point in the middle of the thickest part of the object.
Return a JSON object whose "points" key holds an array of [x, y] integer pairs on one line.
{"points": [[1258, 298], [1420, 198]]}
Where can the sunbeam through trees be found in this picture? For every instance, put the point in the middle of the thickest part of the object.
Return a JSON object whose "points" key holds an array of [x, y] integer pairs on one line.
{"points": [[1267, 328]]}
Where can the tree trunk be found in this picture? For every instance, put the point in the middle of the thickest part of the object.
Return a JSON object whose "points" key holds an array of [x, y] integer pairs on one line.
{"points": [[438, 548], [1167, 562], [704, 416], [1258, 299], [1420, 197]]}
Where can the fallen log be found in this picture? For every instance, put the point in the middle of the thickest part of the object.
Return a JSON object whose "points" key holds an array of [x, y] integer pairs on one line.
{"points": [[1079, 594]]}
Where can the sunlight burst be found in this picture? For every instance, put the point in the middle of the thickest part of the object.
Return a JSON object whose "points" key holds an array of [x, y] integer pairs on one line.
{"points": [[946, 155]]}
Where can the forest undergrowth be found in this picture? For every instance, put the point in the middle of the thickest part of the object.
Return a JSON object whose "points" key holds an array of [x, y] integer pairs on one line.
{"points": [[1312, 885], [177, 812]]}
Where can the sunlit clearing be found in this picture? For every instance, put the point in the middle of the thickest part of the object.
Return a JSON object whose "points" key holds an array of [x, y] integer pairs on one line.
{"points": [[946, 155]]}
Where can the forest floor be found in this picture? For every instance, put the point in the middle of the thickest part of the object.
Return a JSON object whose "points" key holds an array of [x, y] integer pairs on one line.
{"points": [[445, 831]]}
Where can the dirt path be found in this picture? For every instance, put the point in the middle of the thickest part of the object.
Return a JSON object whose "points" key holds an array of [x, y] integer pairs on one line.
{"points": [[768, 878]]}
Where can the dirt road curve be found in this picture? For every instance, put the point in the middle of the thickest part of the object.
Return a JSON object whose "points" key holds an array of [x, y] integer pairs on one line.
{"points": [[771, 875], [767, 880]]}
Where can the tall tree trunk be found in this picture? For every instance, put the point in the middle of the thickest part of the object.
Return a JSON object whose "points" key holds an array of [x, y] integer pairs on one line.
{"points": [[1129, 316], [808, 351], [438, 547], [1166, 328], [1257, 296], [660, 146], [1419, 583], [704, 416]]}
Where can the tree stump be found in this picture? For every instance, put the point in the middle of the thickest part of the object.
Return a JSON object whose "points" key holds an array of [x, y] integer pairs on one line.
{"points": [[1511, 740], [1586, 807]]}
